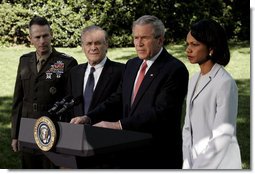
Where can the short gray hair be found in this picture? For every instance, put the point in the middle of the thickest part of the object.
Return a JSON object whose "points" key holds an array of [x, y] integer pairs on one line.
{"points": [[157, 24], [94, 28]]}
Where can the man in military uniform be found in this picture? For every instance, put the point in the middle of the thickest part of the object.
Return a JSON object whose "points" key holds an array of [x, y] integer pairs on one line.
{"points": [[41, 80]]}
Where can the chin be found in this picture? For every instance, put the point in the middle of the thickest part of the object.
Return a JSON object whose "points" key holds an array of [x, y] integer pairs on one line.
{"points": [[192, 62], [143, 57]]}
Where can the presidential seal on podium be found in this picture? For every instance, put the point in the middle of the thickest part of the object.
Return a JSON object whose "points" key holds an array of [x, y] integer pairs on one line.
{"points": [[45, 133]]}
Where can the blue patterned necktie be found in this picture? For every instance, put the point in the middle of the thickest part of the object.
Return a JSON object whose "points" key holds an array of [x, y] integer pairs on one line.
{"points": [[89, 90]]}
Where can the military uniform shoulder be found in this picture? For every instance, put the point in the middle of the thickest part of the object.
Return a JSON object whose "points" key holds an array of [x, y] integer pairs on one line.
{"points": [[27, 56], [66, 55], [63, 55], [30, 54]]}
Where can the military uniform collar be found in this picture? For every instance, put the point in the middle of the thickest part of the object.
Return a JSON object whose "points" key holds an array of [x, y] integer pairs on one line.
{"points": [[43, 57]]}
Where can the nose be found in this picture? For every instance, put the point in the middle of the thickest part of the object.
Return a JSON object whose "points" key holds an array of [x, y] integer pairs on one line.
{"points": [[188, 50], [93, 47], [41, 40]]}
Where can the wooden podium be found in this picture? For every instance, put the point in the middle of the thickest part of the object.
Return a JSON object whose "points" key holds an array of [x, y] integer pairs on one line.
{"points": [[78, 140]]}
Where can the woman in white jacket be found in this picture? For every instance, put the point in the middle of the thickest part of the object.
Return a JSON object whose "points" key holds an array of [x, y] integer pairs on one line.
{"points": [[209, 132]]}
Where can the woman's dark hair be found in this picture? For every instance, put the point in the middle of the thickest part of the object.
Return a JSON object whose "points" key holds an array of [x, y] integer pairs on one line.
{"points": [[213, 35]]}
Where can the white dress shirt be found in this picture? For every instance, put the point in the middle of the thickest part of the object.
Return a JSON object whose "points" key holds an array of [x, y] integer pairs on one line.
{"points": [[98, 69]]}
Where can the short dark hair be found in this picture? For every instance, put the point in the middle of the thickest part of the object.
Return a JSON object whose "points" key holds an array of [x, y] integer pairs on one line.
{"points": [[37, 20], [213, 35]]}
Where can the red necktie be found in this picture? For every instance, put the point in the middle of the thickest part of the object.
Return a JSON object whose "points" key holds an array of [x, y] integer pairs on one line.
{"points": [[139, 80]]}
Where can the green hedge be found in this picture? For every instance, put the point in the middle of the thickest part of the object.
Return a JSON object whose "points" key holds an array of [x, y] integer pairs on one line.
{"points": [[68, 17], [13, 21]]}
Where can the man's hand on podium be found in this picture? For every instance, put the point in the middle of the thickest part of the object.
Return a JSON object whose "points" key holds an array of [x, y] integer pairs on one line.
{"points": [[81, 120], [107, 124]]}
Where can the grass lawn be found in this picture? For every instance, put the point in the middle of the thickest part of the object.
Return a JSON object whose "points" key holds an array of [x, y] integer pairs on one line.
{"points": [[239, 68]]}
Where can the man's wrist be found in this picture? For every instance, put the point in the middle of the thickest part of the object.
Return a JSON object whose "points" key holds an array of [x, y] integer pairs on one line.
{"points": [[120, 126], [87, 120]]}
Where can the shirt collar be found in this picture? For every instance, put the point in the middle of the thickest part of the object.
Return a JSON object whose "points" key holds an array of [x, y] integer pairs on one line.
{"points": [[45, 57], [150, 61], [99, 65]]}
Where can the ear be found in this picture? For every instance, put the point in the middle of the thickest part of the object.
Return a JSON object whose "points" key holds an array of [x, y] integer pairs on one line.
{"points": [[161, 40], [51, 33], [30, 39], [82, 47], [107, 44]]}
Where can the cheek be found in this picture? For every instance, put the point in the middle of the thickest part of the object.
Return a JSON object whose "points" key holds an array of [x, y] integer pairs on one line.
{"points": [[102, 50], [201, 55], [85, 49], [134, 42], [153, 47], [33, 42], [203, 52]]}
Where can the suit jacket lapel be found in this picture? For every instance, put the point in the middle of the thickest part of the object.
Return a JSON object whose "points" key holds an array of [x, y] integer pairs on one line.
{"points": [[103, 80], [149, 77], [77, 87], [79, 79], [33, 64], [130, 85], [204, 82]]}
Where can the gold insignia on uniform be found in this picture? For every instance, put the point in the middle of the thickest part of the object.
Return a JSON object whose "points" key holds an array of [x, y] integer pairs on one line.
{"points": [[45, 134], [53, 90]]}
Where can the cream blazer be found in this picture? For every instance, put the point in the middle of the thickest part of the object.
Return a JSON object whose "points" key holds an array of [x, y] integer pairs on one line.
{"points": [[209, 131]]}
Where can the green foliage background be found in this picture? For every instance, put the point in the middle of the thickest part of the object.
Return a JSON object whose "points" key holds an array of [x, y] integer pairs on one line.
{"points": [[68, 17]]}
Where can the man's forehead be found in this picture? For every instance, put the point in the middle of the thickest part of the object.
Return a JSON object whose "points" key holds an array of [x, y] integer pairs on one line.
{"points": [[93, 36], [36, 29]]}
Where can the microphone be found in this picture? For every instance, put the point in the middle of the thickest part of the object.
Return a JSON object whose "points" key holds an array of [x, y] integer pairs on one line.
{"points": [[58, 104], [70, 104]]}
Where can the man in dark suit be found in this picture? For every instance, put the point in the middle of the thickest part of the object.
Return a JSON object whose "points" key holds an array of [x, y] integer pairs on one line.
{"points": [[107, 76], [150, 99], [39, 84]]}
